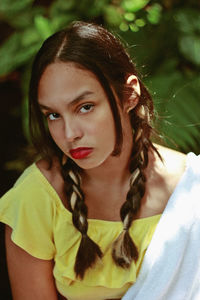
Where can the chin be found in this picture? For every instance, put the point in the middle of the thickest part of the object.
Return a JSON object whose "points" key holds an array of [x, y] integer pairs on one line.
{"points": [[88, 163]]}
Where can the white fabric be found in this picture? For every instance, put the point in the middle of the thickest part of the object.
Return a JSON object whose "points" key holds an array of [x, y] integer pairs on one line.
{"points": [[171, 266]]}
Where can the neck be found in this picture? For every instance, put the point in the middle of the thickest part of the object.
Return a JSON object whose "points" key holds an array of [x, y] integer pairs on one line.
{"points": [[115, 170]]}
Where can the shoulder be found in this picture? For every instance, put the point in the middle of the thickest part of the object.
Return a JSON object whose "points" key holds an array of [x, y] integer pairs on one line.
{"points": [[162, 178], [26, 182], [29, 191], [51, 171], [174, 162], [52, 174], [172, 166]]}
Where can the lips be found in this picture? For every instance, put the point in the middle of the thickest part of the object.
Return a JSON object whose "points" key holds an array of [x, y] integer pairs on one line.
{"points": [[80, 153]]}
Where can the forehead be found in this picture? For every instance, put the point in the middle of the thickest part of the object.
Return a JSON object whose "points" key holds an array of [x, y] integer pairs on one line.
{"points": [[66, 79]]}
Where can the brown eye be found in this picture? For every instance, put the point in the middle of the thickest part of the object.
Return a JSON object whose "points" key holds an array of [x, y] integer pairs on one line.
{"points": [[53, 116], [86, 108]]}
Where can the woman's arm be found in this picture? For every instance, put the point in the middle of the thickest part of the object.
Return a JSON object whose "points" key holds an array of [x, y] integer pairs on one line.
{"points": [[31, 278]]}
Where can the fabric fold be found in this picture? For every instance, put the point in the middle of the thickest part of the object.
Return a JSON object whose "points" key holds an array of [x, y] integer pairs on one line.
{"points": [[171, 265]]}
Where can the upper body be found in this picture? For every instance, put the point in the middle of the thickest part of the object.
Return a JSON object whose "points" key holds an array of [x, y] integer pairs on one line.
{"points": [[97, 154], [24, 260]]}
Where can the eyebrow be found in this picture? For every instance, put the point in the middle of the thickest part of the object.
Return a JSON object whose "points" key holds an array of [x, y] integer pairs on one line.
{"points": [[71, 103]]}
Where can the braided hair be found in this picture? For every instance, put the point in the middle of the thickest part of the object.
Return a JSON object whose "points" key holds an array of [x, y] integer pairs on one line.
{"points": [[88, 251], [93, 48]]}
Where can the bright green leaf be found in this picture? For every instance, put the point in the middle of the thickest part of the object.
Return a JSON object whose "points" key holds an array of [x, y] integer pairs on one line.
{"points": [[129, 16], [134, 5], [43, 26], [133, 27], [140, 22], [154, 13], [124, 27]]}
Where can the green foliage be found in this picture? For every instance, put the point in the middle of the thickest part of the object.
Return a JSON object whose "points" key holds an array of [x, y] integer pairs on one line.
{"points": [[190, 48], [173, 75], [11, 56], [43, 26], [154, 13], [133, 6], [112, 15], [32, 24], [177, 103], [11, 8], [188, 22]]}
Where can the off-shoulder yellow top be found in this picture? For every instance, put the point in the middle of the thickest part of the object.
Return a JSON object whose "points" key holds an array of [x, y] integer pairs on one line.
{"points": [[42, 226]]}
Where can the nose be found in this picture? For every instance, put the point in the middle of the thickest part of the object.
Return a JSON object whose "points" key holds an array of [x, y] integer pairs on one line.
{"points": [[73, 130]]}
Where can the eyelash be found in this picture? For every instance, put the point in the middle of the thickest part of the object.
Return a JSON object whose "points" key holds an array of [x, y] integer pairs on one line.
{"points": [[83, 106], [49, 115], [89, 104]]}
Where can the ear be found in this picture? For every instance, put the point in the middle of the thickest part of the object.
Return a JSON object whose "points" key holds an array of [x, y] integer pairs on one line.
{"points": [[133, 83]]}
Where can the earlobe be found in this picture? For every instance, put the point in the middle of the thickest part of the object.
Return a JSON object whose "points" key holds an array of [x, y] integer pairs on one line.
{"points": [[133, 83]]}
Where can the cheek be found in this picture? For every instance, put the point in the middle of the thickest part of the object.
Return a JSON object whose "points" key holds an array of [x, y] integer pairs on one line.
{"points": [[55, 131], [101, 125], [104, 128]]}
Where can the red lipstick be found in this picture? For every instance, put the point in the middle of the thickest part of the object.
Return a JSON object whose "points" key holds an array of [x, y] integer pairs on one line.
{"points": [[80, 153]]}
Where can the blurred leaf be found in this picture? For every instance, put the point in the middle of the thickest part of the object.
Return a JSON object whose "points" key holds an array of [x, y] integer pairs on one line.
{"points": [[134, 5], [60, 7], [11, 54], [95, 8], [129, 16], [61, 21], [113, 15], [25, 18], [188, 21], [190, 48], [43, 26], [29, 36], [17, 165], [11, 7], [124, 27], [154, 13], [140, 22], [7, 53], [133, 27]]}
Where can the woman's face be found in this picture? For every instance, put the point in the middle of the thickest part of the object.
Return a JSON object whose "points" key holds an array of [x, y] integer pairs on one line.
{"points": [[79, 117]]}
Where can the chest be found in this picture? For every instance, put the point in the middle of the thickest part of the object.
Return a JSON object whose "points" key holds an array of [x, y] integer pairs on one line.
{"points": [[104, 203]]}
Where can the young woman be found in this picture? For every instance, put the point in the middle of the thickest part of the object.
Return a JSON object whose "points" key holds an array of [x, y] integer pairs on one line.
{"points": [[81, 219]]}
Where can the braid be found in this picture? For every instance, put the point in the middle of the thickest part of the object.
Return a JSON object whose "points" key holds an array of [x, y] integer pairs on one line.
{"points": [[124, 250], [88, 251]]}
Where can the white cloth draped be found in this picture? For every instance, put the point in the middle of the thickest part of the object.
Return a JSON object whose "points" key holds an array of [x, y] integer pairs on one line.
{"points": [[171, 266]]}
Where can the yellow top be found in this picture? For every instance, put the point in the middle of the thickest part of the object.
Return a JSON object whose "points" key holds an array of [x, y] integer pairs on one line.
{"points": [[42, 226]]}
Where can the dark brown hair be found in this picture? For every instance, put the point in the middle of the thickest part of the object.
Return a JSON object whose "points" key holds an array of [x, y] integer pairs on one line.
{"points": [[92, 47]]}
